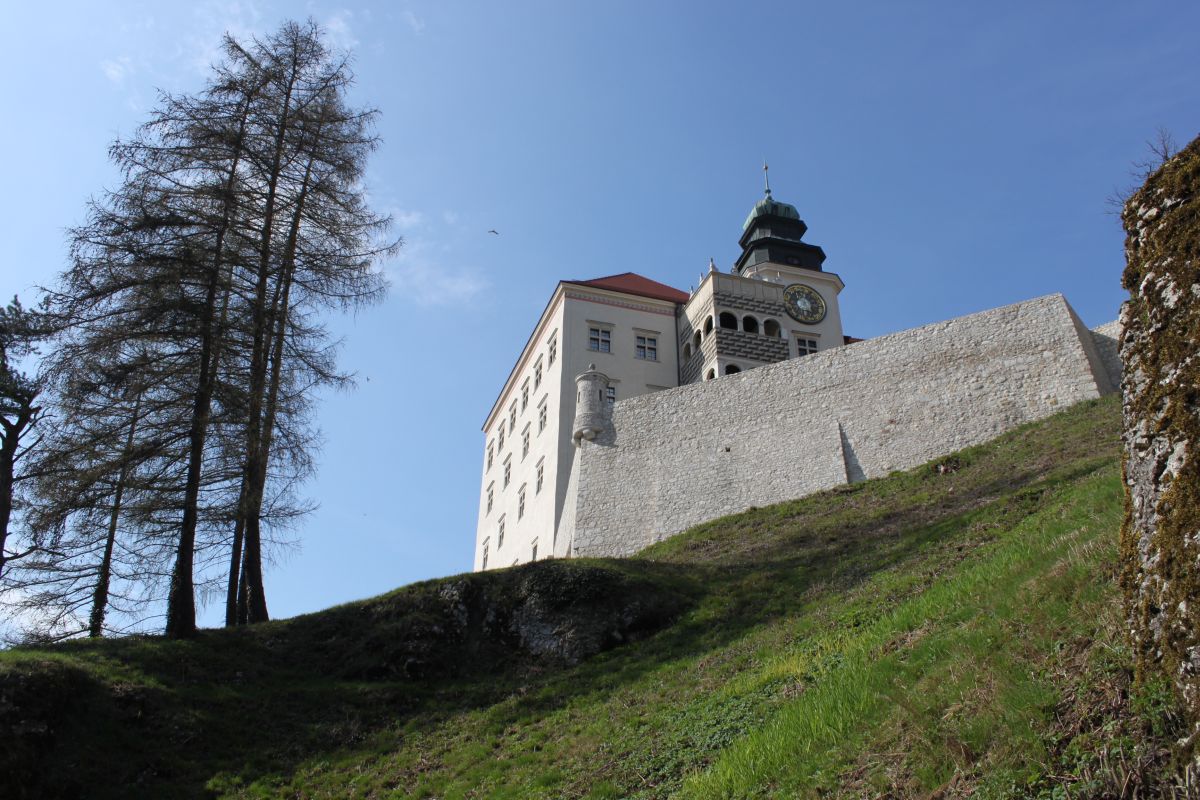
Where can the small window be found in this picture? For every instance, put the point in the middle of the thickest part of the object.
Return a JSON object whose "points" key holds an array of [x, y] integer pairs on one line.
{"points": [[537, 374], [500, 534], [610, 395], [525, 395], [708, 326], [507, 471], [541, 473], [600, 340], [805, 346], [521, 502], [500, 439], [490, 496], [542, 416], [512, 417], [647, 348], [750, 324], [687, 351], [533, 552], [710, 375], [728, 321], [771, 328], [732, 369], [486, 542], [489, 455], [553, 354], [525, 442], [696, 342]]}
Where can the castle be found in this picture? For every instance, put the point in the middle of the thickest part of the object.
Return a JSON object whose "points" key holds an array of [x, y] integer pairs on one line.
{"points": [[636, 410]]}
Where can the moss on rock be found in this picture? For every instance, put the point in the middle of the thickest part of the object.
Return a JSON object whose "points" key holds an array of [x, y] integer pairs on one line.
{"points": [[1160, 348]]}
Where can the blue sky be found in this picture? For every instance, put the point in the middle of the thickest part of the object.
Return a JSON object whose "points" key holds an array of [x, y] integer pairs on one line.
{"points": [[949, 157]]}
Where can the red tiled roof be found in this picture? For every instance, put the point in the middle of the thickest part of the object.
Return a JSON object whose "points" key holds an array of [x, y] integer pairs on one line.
{"points": [[632, 283]]}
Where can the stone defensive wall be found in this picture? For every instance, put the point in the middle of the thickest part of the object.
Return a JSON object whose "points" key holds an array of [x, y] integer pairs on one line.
{"points": [[675, 458]]}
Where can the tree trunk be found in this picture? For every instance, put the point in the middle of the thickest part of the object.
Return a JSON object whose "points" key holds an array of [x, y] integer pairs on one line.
{"points": [[255, 470], [235, 570], [256, 479], [103, 577], [8, 461], [181, 602]]}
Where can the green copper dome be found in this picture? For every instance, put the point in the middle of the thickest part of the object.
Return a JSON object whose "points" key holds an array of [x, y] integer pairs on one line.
{"points": [[769, 206]]}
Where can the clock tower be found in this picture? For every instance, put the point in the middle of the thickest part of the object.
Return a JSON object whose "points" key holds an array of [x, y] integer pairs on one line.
{"points": [[778, 301]]}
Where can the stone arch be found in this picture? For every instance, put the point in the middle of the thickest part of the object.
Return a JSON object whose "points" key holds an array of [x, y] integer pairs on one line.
{"points": [[708, 325], [687, 351], [732, 369], [771, 328], [728, 321], [708, 376], [750, 324], [696, 342]]}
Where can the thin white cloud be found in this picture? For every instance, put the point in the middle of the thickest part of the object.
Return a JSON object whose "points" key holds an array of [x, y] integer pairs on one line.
{"points": [[416, 23], [117, 69], [407, 220], [450, 217], [239, 18], [428, 285], [418, 277], [339, 32]]}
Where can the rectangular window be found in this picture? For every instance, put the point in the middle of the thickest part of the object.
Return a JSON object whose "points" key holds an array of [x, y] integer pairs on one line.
{"points": [[537, 374], [486, 542], [647, 348], [507, 471], [611, 395], [500, 439], [553, 350], [542, 415], [500, 534], [521, 502], [525, 442], [533, 554], [512, 417], [525, 394], [600, 340], [491, 496], [805, 346], [489, 455], [541, 472]]}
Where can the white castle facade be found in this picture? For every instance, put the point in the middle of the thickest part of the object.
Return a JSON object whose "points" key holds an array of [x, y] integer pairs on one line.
{"points": [[636, 410]]}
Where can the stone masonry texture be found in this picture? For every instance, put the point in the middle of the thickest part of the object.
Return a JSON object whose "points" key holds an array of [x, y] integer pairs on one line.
{"points": [[1160, 348], [1106, 337], [675, 458]]}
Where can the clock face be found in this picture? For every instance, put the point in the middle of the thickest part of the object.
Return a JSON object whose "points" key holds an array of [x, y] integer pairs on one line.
{"points": [[804, 304]]}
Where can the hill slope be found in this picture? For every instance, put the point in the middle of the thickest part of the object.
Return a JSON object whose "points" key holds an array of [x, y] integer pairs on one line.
{"points": [[949, 630]]}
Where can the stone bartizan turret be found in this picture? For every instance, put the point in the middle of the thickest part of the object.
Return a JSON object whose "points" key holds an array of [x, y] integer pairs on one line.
{"points": [[592, 415]]}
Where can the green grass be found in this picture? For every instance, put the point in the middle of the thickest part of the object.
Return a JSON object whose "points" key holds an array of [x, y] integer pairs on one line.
{"points": [[941, 632]]}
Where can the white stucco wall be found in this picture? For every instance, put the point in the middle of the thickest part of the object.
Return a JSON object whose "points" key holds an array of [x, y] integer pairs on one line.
{"points": [[677, 458], [540, 507], [570, 313]]}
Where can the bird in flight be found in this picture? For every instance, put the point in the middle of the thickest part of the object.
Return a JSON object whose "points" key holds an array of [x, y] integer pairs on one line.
{"points": [[493, 230]]}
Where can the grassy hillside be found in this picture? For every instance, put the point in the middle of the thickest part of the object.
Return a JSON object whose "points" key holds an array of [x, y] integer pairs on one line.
{"points": [[945, 632]]}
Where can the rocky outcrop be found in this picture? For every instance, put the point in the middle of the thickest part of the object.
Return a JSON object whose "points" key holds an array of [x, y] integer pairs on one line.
{"points": [[550, 611], [1160, 349]]}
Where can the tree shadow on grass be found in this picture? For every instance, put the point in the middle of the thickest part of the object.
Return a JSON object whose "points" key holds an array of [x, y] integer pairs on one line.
{"points": [[150, 717]]}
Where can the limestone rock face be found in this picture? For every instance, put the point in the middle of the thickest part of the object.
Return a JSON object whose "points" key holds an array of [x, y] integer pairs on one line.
{"points": [[1160, 350]]}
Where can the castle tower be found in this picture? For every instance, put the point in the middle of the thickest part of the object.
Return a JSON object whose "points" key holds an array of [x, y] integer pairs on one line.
{"points": [[778, 302], [771, 237], [592, 407]]}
